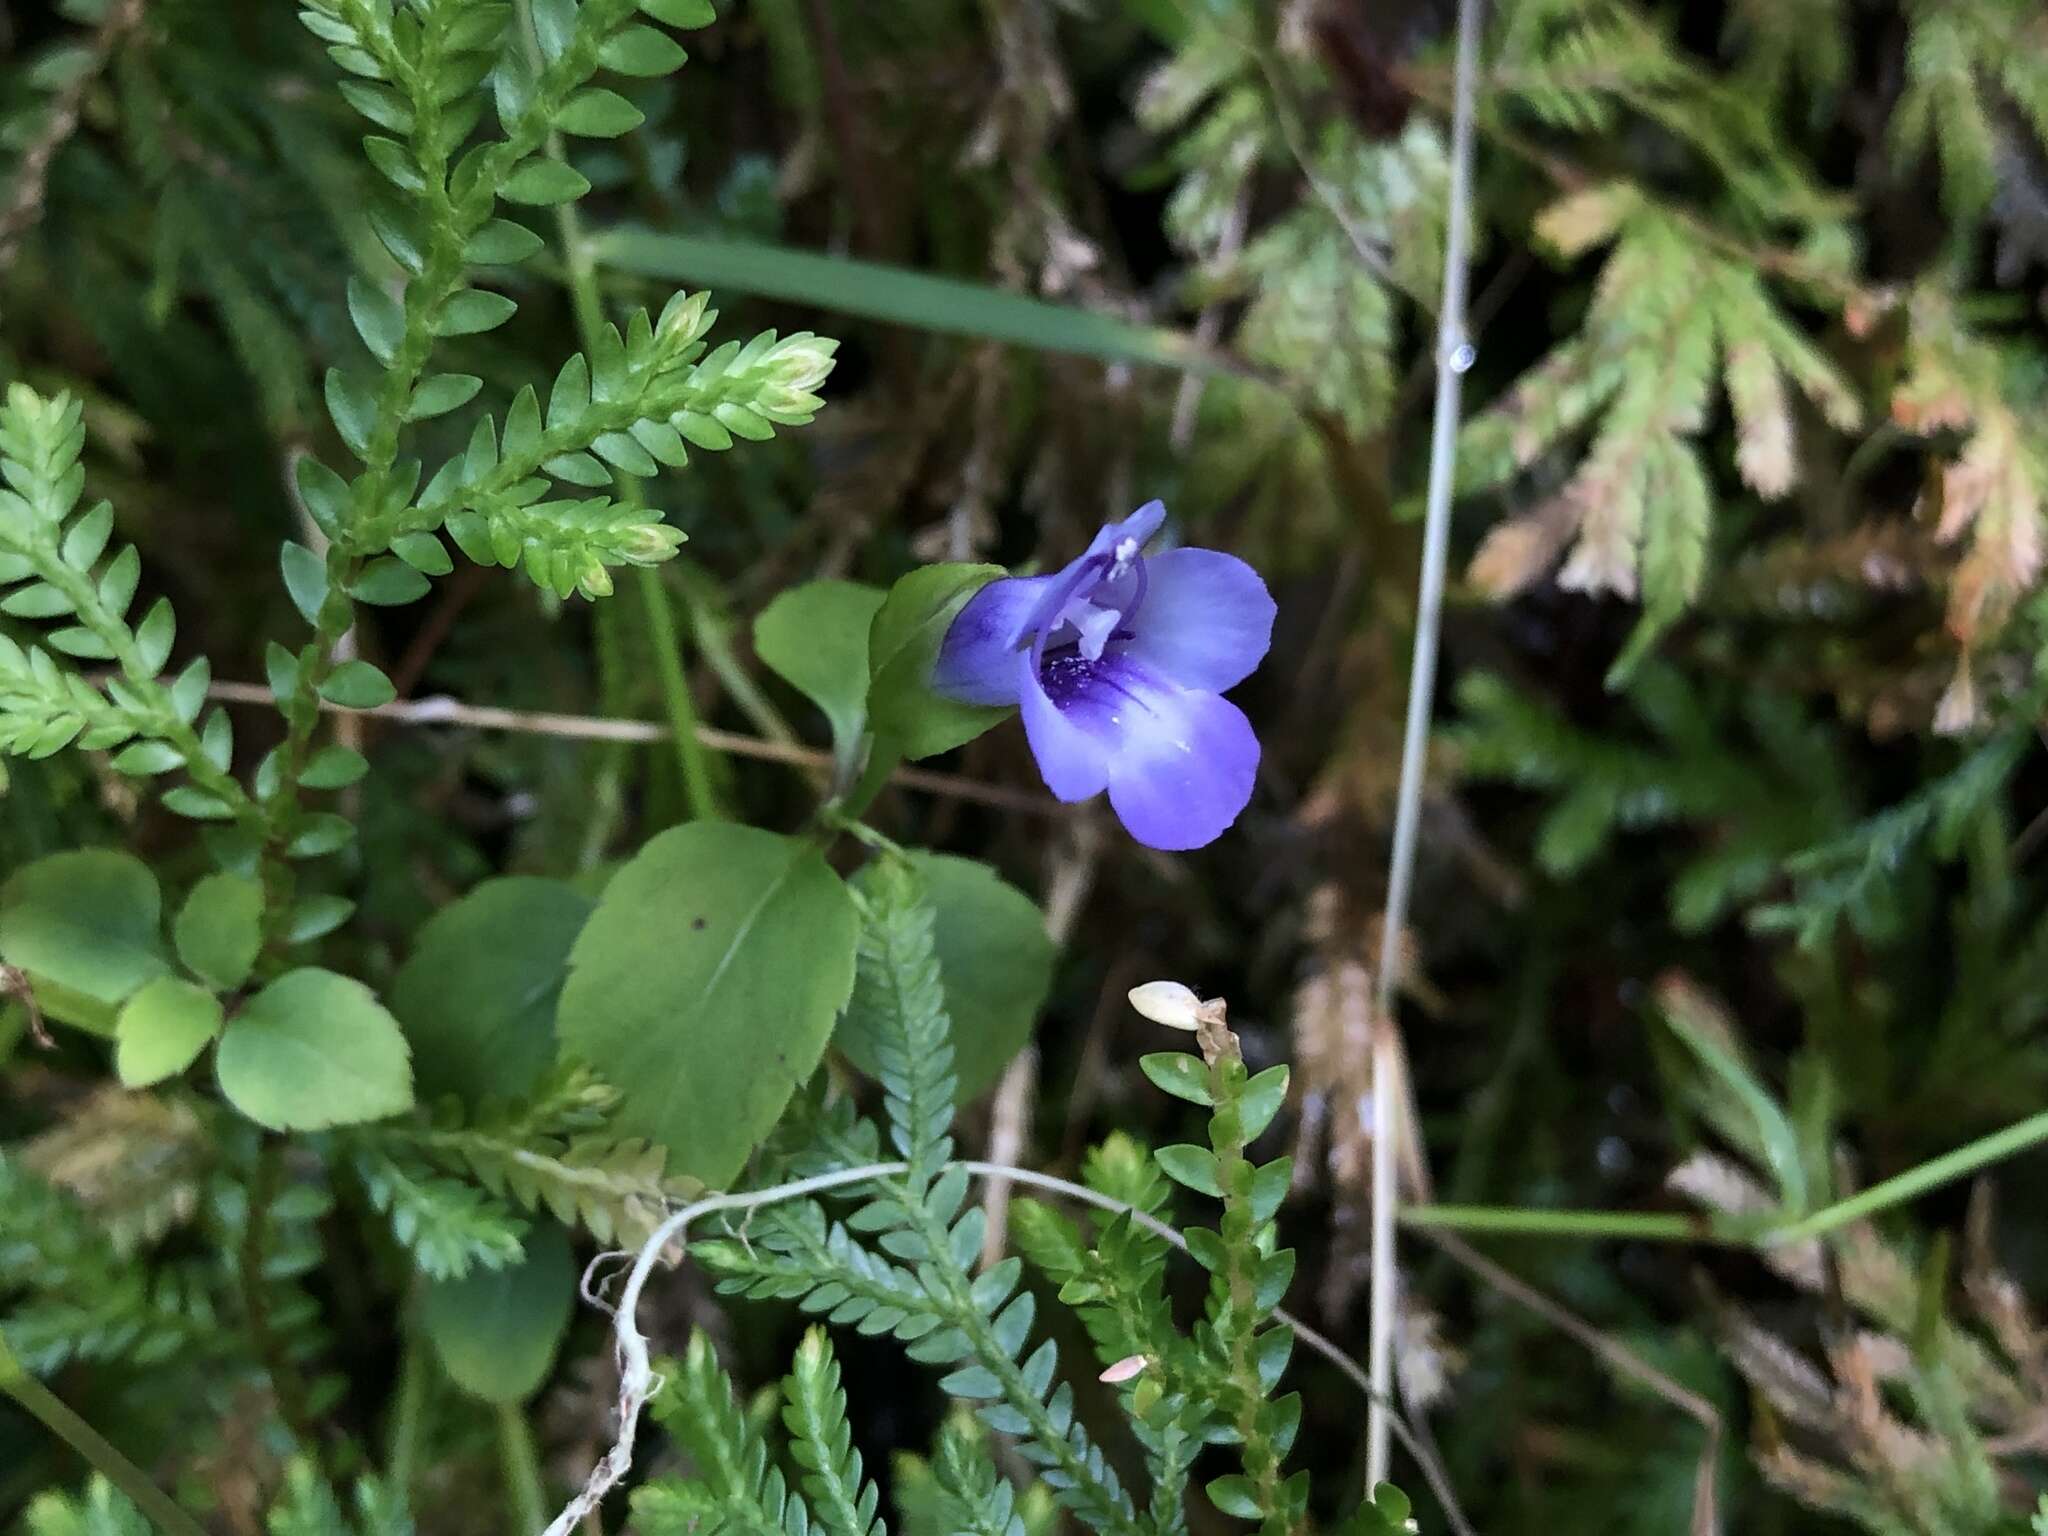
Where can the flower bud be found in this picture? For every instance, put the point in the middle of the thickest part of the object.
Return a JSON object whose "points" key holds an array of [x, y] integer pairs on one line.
{"points": [[1168, 1003], [1123, 1370]]}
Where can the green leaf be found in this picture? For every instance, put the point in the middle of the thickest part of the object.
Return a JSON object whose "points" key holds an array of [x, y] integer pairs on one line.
{"points": [[544, 182], [473, 311], [995, 964], [497, 1330], [479, 992], [314, 1050], [1180, 1073], [162, 1029], [88, 921], [334, 767], [219, 930], [442, 393], [903, 646], [379, 318], [325, 493], [642, 51], [305, 578], [599, 114], [681, 13], [424, 553], [815, 637], [1191, 1165], [895, 295], [388, 583], [502, 243], [153, 636], [357, 685], [705, 986], [1703, 1036], [353, 405]]}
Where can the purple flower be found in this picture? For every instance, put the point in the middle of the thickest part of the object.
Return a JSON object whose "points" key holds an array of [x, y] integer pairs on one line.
{"points": [[1117, 663]]}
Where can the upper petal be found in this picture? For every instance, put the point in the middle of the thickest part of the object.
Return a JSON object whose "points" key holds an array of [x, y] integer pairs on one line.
{"points": [[1206, 622], [1139, 527], [1073, 730], [1185, 763], [978, 658]]}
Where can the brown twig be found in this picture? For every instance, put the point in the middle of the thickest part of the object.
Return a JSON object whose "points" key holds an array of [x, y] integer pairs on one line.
{"points": [[32, 172], [442, 710]]}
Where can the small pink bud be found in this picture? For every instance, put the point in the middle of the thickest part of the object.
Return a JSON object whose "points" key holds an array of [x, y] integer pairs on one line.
{"points": [[1123, 1370]]}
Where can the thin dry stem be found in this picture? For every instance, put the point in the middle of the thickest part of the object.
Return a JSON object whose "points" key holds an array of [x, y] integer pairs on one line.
{"points": [[443, 710]]}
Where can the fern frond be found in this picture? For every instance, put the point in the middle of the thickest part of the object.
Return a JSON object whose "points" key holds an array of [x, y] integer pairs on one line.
{"points": [[899, 1007], [448, 1226], [821, 1442], [735, 1490]]}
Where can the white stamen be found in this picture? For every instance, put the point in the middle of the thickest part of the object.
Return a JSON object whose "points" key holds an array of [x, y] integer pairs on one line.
{"points": [[1126, 551]]}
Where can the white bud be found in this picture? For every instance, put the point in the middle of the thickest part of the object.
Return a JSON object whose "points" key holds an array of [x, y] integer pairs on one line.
{"points": [[1168, 1003], [1123, 1370]]}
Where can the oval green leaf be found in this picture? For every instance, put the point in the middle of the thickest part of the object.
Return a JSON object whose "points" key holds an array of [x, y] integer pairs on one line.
{"points": [[220, 929], [496, 1330], [815, 637], [705, 986]]}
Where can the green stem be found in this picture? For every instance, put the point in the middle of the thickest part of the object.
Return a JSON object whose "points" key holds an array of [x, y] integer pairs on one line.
{"points": [[524, 1489], [1673, 1227], [580, 267], [1945, 1169], [1681, 1228], [49, 1410], [414, 1379]]}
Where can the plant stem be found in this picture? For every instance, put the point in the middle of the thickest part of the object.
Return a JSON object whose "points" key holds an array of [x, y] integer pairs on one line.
{"points": [[50, 1411], [524, 1489], [580, 267], [284, 1382], [1652, 1225], [1950, 1166], [1453, 357], [414, 1379]]}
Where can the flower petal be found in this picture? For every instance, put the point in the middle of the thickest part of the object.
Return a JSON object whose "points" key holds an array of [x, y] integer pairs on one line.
{"points": [[1073, 736], [1206, 622], [1185, 766], [978, 658], [1139, 527]]}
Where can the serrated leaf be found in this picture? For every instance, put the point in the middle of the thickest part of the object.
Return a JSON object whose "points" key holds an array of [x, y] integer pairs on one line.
{"points": [[314, 1050], [162, 1029], [219, 929], [88, 921]]}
